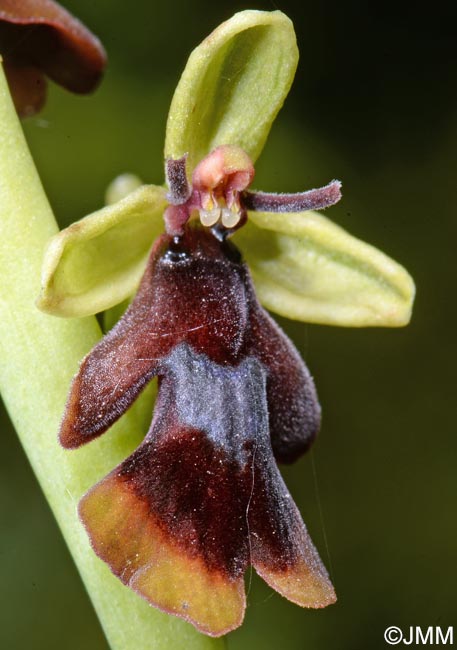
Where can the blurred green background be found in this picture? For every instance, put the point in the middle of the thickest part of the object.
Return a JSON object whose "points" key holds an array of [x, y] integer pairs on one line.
{"points": [[374, 104]]}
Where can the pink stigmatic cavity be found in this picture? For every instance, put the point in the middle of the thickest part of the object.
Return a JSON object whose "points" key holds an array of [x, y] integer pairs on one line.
{"points": [[217, 182]]}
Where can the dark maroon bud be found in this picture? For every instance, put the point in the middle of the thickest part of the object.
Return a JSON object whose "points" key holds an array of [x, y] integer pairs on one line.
{"points": [[28, 88], [181, 519], [317, 199], [42, 36]]}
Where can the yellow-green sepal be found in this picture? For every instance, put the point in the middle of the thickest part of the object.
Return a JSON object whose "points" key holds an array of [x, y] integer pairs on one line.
{"points": [[98, 261], [307, 268], [233, 86]]}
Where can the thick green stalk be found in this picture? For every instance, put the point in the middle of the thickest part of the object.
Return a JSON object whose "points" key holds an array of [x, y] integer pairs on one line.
{"points": [[38, 356]]}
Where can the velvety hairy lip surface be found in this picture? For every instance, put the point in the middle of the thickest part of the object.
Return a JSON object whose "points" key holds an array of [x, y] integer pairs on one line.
{"points": [[213, 494], [182, 518]]}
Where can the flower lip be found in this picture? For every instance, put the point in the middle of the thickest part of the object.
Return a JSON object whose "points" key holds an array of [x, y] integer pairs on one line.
{"points": [[201, 498], [42, 35]]}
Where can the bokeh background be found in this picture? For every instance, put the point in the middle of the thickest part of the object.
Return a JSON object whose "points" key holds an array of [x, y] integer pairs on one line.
{"points": [[374, 104]]}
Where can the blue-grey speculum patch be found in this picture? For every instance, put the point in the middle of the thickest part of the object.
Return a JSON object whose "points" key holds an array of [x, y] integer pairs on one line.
{"points": [[228, 403]]}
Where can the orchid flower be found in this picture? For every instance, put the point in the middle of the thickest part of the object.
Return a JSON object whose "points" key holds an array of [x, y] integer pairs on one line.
{"points": [[180, 520]]}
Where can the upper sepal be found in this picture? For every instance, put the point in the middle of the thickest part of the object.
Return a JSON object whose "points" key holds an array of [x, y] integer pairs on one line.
{"points": [[307, 268], [233, 86], [98, 261]]}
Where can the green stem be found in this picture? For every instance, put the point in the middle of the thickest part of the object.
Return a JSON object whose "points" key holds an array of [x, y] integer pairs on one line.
{"points": [[38, 356]]}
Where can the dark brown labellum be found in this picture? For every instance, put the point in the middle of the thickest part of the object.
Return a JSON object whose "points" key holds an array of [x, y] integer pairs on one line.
{"points": [[202, 498]]}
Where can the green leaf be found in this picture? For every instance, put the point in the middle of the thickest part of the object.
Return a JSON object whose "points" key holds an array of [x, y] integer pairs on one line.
{"points": [[233, 86], [307, 268], [98, 261]]}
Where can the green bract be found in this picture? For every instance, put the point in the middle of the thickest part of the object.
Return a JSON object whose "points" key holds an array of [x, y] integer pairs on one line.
{"points": [[304, 267]]}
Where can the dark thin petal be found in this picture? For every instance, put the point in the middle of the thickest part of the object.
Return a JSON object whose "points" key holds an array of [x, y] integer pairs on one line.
{"points": [[43, 34], [175, 173], [191, 291], [311, 200], [293, 406]]}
